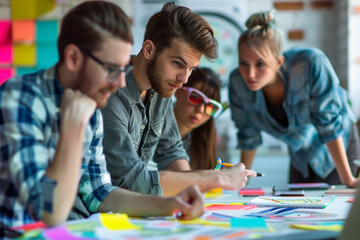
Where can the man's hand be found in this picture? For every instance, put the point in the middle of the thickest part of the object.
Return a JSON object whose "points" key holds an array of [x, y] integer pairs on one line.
{"points": [[235, 178], [76, 107], [190, 203]]}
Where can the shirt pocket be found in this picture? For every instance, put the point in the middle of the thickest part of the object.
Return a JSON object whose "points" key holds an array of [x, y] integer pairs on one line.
{"points": [[152, 140]]}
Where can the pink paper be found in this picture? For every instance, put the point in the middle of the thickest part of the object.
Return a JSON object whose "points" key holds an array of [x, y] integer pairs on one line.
{"points": [[5, 74], [61, 233]]}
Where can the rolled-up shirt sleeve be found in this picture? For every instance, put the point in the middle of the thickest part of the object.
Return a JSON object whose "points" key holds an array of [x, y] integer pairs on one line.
{"points": [[325, 101], [95, 183]]}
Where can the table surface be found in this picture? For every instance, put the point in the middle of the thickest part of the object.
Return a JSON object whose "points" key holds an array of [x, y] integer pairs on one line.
{"points": [[170, 228]]}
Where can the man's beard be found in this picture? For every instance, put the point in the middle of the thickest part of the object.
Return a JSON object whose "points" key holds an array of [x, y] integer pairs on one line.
{"points": [[155, 80]]}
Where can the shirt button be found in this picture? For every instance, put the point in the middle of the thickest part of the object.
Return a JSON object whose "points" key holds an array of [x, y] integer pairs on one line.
{"points": [[142, 127]]}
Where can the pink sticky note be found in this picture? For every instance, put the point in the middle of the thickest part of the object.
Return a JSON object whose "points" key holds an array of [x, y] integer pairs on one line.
{"points": [[5, 32], [5, 42], [61, 233], [225, 207], [5, 74]]}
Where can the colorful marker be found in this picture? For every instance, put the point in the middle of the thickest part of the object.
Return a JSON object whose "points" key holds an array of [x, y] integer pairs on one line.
{"points": [[221, 163]]}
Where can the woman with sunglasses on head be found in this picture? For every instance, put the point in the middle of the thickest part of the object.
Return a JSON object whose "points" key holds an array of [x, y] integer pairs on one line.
{"points": [[294, 96], [197, 104]]}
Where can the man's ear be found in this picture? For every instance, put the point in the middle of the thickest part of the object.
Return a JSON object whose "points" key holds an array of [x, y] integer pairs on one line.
{"points": [[149, 49], [73, 57]]}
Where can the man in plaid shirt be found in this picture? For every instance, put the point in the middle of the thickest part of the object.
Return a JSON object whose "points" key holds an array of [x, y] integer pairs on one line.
{"points": [[51, 128]]}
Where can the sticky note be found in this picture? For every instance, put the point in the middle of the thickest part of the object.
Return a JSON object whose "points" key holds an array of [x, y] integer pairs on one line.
{"points": [[224, 207], [5, 74], [248, 223], [26, 70], [6, 56], [30, 9], [46, 32], [116, 221], [23, 31], [60, 233], [252, 191], [24, 55], [46, 55], [5, 32]]}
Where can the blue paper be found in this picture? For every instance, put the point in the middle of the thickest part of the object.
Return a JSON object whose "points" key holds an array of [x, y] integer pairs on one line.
{"points": [[46, 32], [248, 223]]}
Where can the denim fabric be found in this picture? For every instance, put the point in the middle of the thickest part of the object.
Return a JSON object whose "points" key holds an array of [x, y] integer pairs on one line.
{"points": [[134, 134], [316, 106]]}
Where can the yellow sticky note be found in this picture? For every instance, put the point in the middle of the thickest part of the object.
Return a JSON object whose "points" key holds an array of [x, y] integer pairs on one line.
{"points": [[24, 54], [335, 227], [205, 222], [212, 194], [23, 31], [216, 190], [117, 221], [30, 9]]}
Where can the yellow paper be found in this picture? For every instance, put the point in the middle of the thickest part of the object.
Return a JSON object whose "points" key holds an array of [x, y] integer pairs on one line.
{"points": [[117, 221], [30, 9], [336, 228], [24, 55], [205, 222], [212, 194], [216, 190]]}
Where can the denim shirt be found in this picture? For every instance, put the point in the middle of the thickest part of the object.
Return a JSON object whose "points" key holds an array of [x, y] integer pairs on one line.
{"points": [[316, 106], [134, 134]]}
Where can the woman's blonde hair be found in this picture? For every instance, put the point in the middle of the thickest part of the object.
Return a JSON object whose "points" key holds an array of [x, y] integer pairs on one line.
{"points": [[262, 35]]}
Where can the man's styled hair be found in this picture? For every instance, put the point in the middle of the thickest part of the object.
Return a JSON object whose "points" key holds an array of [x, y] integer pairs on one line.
{"points": [[180, 22], [87, 24]]}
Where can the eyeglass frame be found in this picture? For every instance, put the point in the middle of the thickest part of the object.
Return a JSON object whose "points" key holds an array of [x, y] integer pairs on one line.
{"points": [[205, 101], [110, 70]]}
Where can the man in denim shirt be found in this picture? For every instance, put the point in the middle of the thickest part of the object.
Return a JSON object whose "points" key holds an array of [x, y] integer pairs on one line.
{"points": [[139, 123], [51, 132], [295, 97]]}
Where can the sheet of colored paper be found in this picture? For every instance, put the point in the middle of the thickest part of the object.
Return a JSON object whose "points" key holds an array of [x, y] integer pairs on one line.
{"points": [[5, 32], [5, 42], [224, 207], [252, 191], [5, 74], [31, 226], [248, 223], [61, 233], [46, 55], [24, 55], [334, 227], [23, 31], [6, 54], [117, 221], [30, 9], [47, 32]]}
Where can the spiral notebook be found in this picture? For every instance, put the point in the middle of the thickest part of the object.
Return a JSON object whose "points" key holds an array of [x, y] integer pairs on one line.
{"points": [[292, 202]]}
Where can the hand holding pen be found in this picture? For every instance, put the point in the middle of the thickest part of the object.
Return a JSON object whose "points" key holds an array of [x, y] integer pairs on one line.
{"points": [[220, 163]]}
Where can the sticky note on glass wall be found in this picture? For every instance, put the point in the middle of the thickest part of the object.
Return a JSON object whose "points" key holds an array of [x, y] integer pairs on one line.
{"points": [[24, 55], [5, 74], [46, 31], [30, 9], [23, 31], [5, 42], [47, 55]]}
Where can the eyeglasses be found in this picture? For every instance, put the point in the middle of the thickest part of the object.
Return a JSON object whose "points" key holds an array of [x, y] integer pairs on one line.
{"points": [[212, 108], [113, 72]]}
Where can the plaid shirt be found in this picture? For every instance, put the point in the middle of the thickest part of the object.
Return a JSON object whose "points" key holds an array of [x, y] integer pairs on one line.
{"points": [[29, 133]]}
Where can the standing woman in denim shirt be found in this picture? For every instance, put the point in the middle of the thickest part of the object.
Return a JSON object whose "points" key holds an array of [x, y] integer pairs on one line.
{"points": [[196, 107], [294, 96]]}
